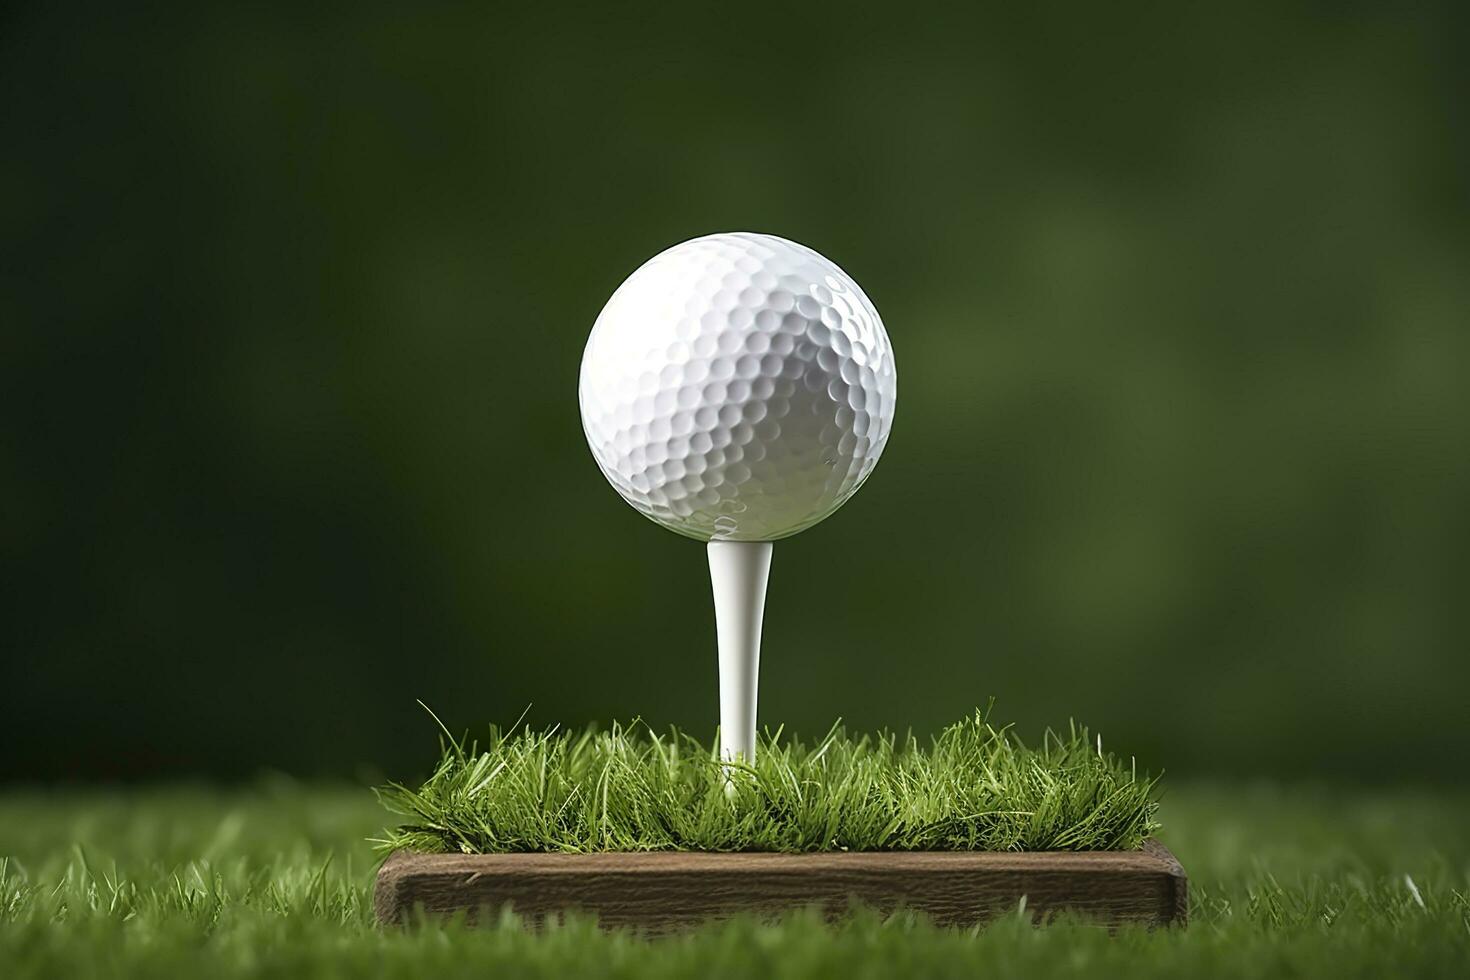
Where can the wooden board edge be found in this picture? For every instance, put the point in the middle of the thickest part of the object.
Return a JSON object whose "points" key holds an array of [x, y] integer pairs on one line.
{"points": [[403, 868], [387, 886], [1170, 864]]}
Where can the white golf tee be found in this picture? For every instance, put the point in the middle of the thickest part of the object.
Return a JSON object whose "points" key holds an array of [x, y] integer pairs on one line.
{"points": [[738, 571]]}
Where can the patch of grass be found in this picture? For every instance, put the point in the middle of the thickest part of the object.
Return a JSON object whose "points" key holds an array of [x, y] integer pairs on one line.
{"points": [[274, 881], [974, 787]]}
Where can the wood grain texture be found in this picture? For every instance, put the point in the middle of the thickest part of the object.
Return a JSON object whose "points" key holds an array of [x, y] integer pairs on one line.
{"points": [[660, 892]]}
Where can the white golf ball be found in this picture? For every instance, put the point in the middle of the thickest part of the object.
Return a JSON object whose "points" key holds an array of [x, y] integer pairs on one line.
{"points": [[738, 387]]}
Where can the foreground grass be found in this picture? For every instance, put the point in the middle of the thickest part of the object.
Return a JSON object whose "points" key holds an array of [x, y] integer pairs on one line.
{"points": [[973, 787], [274, 881]]}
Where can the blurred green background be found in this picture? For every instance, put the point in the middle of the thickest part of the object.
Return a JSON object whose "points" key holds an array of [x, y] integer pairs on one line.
{"points": [[293, 302]]}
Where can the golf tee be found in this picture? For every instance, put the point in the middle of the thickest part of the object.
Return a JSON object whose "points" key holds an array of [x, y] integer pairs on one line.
{"points": [[738, 571]]}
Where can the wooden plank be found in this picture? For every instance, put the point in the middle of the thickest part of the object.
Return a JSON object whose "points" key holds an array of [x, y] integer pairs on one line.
{"points": [[659, 892]]}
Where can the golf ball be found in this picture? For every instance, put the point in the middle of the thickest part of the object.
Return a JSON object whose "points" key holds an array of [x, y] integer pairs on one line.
{"points": [[738, 387]]}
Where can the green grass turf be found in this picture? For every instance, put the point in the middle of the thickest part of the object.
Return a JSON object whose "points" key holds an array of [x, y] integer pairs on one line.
{"points": [[972, 787], [273, 881]]}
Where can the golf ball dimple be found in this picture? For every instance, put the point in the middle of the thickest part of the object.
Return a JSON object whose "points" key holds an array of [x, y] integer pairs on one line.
{"points": [[738, 387]]}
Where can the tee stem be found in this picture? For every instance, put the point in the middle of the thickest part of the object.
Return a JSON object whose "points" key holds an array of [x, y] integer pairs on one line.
{"points": [[738, 571]]}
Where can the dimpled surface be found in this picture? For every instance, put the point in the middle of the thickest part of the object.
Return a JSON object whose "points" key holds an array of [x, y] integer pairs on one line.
{"points": [[738, 387]]}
